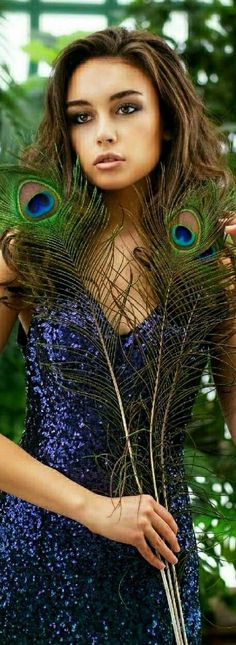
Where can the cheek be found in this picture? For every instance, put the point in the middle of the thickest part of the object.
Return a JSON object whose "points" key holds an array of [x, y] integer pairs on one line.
{"points": [[150, 135], [151, 142], [155, 142]]}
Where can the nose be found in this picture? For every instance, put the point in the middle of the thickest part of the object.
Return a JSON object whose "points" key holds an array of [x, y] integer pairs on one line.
{"points": [[102, 139], [106, 133]]}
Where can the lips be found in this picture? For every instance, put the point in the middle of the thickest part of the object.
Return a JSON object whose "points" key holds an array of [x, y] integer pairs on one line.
{"points": [[103, 158]]}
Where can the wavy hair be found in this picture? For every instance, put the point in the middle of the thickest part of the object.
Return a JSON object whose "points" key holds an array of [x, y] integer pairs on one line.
{"points": [[193, 153]]}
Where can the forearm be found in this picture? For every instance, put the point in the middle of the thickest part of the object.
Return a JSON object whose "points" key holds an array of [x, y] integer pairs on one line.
{"points": [[24, 476]]}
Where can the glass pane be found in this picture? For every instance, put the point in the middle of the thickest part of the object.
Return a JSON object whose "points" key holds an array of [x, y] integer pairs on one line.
{"points": [[15, 34], [61, 24]]}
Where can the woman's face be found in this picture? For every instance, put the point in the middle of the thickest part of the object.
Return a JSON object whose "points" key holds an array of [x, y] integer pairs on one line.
{"points": [[101, 122]]}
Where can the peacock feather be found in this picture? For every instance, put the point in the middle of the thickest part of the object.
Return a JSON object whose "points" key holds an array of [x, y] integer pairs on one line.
{"points": [[183, 268]]}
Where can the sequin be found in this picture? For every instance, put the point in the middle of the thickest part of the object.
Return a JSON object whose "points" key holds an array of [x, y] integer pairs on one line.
{"points": [[59, 582]]}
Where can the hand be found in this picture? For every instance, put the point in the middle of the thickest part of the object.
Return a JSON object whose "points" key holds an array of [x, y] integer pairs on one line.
{"points": [[231, 229], [135, 520]]}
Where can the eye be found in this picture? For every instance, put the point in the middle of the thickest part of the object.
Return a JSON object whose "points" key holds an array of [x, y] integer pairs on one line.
{"points": [[37, 201], [82, 117], [134, 108], [75, 118]]}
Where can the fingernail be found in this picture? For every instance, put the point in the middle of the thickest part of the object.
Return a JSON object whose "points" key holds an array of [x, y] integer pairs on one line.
{"points": [[177, 549], [175, 560]]}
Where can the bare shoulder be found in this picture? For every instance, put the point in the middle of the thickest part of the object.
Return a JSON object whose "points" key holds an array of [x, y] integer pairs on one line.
{"points": [[7, 243], [7, 274], [9, 284], [8, 316]]}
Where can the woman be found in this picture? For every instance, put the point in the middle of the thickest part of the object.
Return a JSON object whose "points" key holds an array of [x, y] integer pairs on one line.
{"points": [[85, 528]]}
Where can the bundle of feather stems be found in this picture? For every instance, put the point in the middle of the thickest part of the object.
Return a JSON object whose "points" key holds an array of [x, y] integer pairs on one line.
{"points": [[192, 273]]}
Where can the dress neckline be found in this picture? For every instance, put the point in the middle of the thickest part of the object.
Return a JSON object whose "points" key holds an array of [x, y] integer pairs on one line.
{"points": [[133, 331], [22, 337]]}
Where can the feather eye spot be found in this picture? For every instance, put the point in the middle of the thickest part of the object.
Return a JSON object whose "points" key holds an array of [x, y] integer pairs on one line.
{"points": [[209, 253], [37, 201], [40, 204], [184, 230], [182, 236]]}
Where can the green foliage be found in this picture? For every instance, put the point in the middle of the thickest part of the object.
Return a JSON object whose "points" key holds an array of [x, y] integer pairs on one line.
{"points": [[12, 390], [212, 477], [17, 122], [209, 51], [46, 47]]}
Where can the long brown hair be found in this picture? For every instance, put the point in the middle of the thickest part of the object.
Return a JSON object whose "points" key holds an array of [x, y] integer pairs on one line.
{"points": [[195, 149]]}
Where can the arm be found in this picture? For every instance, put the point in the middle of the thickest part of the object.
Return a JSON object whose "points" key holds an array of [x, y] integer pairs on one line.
{"points": [[20, 474], [37, 483], [130, 520], [7, 316]]}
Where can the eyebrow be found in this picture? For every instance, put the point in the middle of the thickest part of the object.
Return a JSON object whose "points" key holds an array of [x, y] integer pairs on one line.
{"points": [[118, 95]]}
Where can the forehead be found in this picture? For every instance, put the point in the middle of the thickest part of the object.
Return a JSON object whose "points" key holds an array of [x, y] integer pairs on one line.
{"points": [[106, 75]]}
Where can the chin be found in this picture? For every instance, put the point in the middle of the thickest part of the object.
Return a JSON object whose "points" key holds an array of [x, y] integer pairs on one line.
{"points": [[113, 183]]}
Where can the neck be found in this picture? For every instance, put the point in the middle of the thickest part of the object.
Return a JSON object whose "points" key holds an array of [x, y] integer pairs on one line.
{"points": [[125, 205]]}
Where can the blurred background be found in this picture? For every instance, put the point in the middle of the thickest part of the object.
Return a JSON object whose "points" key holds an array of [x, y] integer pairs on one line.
{"points": [[204, 33]]}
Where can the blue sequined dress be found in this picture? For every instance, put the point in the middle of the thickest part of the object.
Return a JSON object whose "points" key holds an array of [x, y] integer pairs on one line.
{"points": [[60, 583]]}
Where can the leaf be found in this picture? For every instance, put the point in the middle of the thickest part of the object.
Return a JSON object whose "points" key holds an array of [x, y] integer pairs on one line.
{"points": [[39, 52]]}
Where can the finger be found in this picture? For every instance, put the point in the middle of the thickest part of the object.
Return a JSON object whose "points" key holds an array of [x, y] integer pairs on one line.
{"points": [[166, 516], [160, 526], [160, 546], [231, 230], [148, 555]]}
